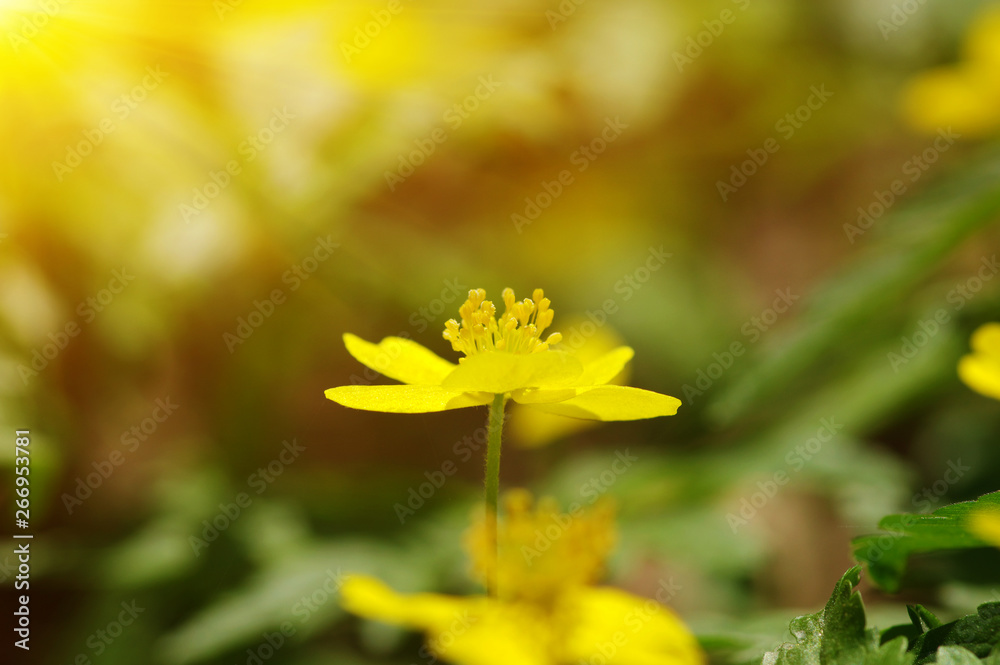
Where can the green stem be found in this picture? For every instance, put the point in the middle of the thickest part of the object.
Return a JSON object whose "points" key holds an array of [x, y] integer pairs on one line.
{"points": [[495, 429]]}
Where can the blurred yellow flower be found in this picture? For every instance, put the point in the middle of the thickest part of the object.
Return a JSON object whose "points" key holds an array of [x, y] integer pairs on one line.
{"points": [[986, 525], [503, 356], [547, 612], [965, 97], [980, 370]]}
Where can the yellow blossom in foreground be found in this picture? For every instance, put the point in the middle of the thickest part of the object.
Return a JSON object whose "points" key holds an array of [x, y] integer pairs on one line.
{"points": [[980, 370], [547, 611], [964, 97], [504, 355], [986, 525]]}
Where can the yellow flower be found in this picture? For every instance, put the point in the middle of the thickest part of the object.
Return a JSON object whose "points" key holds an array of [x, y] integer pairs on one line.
{"points": [[504, 355], [980, 370], [547, 612], [986, 525], [965, 97]]}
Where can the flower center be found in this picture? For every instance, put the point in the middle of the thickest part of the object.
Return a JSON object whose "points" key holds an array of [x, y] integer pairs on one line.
{"points": [[518, 330], [541, 551]]}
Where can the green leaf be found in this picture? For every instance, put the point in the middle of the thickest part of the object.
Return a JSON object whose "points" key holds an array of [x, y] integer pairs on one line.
{"points": [[886, 554], [979, 633], [835, 636]]}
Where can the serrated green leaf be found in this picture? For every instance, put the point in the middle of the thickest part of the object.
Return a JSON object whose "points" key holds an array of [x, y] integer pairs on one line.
{"points": [[979, 633], [886, 554], [835, 636]]}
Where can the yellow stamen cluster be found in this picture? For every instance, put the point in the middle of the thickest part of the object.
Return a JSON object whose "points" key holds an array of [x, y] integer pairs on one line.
{"points": [[518, 330], [540, 551]]}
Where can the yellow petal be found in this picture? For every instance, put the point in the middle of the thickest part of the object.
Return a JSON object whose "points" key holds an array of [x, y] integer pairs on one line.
{"points": [[981, 370], [370, 598], [623, 629], [531, 428], [499, 372], [471, 631], [986, 525], [981, 373], [400, 359], [986, 340], [612, 403], [605, 368], [964, 98], [982, 44], [503, 634], [405, 398]]}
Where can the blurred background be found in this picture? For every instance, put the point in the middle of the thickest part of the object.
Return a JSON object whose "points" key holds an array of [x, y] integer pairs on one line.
{"points": [[794, 227]]}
